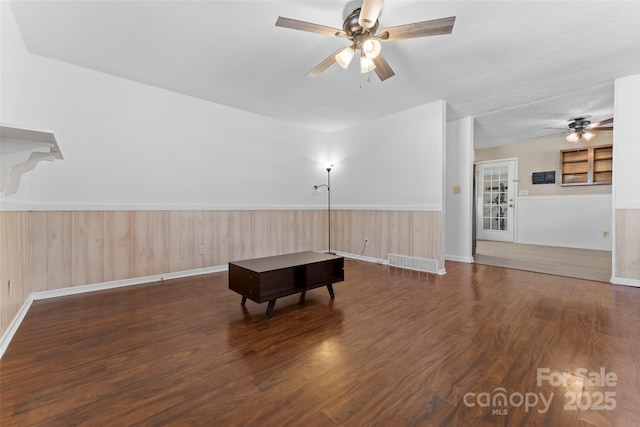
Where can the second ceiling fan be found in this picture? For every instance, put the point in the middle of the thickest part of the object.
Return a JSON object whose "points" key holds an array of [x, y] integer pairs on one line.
{"points": [[360, 28], [581, 128]]}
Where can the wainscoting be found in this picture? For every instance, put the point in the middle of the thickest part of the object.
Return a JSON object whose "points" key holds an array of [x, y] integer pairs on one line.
{"points": [[15, 259], [576, 221], [627, 267], [48, 250]]}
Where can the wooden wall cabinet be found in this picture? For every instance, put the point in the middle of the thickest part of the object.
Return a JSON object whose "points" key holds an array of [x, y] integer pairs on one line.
{"points": [[587, 166]]}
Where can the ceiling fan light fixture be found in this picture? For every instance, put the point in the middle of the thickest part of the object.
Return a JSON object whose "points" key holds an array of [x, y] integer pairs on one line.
{"points": [[366, 64], [573, 137], [344, 57], [588, 135], [371, 48]]}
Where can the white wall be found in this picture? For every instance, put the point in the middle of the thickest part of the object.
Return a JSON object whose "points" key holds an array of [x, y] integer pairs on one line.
{"points": [[626, 182], [626, 145], [572, 221], [394, 162], [459, 206], [131, 146], [13, 65]]}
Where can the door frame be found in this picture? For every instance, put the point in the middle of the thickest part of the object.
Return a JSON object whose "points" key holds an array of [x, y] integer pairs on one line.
{"points": [[478, 181]]}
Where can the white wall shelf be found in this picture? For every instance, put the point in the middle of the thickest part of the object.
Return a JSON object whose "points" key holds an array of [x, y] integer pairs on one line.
{"points": [[20, 151]]}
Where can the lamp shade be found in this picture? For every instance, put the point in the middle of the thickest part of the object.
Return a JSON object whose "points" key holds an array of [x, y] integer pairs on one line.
{"points": [[588, 135], [366, 64], [573, 137], [371, 48], [344, 57]]}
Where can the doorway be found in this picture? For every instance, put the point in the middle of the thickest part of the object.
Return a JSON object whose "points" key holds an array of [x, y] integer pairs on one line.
{"points": [[495, 200]]}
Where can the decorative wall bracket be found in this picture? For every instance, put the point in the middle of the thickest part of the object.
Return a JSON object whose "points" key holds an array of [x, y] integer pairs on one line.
{"points": [[20, 151]]}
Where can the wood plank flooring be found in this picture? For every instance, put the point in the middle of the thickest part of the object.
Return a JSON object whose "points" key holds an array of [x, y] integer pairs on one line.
{"points": [[571, 262], [394, 348]]}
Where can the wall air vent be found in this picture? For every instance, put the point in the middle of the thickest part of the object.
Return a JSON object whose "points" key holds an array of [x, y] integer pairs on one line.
{"points": [[413, 263]]}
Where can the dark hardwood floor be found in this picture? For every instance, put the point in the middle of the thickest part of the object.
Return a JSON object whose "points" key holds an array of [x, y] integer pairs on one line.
{"points": [[395, 347]]}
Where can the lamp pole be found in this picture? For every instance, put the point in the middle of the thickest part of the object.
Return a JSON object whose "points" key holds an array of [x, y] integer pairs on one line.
{"points": [[328, 185], [329, 204]]}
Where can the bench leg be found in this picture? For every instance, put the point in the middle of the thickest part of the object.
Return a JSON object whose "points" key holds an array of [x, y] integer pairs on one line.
{"points": [[331, 294], [272, 303], [244, 299], [302, 294]]}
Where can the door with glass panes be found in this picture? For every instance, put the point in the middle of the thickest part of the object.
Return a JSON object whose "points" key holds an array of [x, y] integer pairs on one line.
{"points": [[495, 204]]}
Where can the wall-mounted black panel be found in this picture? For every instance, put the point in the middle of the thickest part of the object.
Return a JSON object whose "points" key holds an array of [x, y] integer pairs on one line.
{"points": [[548, 177]]}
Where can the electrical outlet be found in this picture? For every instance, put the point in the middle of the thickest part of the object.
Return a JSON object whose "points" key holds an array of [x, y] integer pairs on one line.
{"points": [[605, 234], [366, 241], [202, 250]]}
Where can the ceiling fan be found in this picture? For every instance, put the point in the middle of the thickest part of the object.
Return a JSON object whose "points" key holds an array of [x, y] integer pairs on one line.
{"points": [[582, 128], [360, 28]]}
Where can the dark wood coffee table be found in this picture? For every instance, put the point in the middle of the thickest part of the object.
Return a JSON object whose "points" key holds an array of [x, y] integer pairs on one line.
{"points": [[269, 278]]}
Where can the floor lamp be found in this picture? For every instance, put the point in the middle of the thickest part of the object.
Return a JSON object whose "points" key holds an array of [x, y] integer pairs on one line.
{"points": [[328, 185]]}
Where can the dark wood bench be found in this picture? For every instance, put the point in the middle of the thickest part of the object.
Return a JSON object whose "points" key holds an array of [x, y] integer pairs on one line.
{"points": [[269, 278]]}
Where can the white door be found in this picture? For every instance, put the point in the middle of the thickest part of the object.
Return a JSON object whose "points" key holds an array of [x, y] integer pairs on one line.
{"points": [[495, 201]]}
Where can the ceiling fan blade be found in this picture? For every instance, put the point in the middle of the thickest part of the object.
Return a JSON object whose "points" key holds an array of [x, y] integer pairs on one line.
{"points": [[601, 123], [369, 13], [329, 61], [600, 129], [434, 27], [383, 70], [551, 135], [294, 24], [565, 129]]}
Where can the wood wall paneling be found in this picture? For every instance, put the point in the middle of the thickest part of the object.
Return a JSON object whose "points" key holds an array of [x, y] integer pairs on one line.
{"points": [[118, 248], [58, 249], [143, 243], [87, 237], [38, 244], [628, 243], [15, 264]]}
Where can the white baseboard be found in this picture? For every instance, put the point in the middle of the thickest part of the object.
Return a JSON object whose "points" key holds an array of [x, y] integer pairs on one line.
{"points": [[72, 290], [563, 245], [468, 260], [13, 326], [625, 281], [362, 258], [441, 271]]}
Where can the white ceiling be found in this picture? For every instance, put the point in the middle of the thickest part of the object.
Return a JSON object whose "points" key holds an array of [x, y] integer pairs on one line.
{"points": [[516, 66]]}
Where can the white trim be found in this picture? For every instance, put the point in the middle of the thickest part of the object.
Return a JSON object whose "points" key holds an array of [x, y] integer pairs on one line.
{"points": [[72, 290], [7, 205], [14, 325], [625, 281], [566, 196], [626, 204], [441, 271], [456, 258], [508, 159], [421, 208], [563, 245], [362, 258], [10, 205]]}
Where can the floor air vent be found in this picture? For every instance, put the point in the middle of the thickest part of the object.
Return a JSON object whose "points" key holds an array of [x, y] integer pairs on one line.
{"points": [[413, 263]]}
